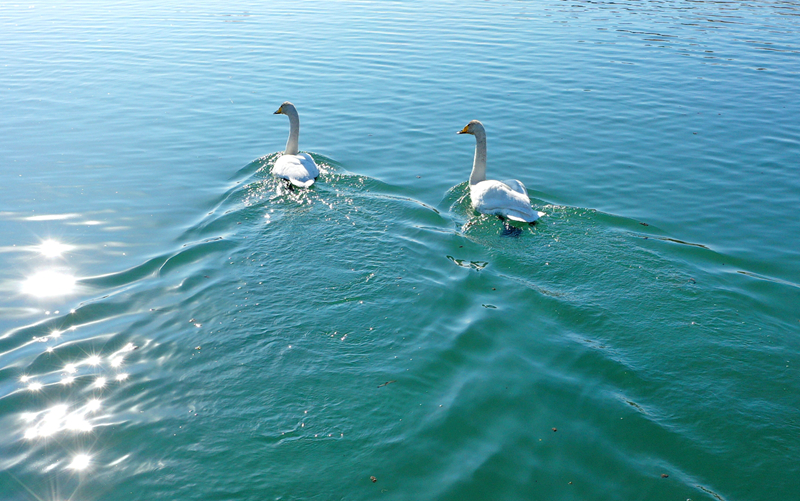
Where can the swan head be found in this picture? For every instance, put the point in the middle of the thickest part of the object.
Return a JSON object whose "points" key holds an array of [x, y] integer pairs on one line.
{"points": [[472, 128], [285, 109]]}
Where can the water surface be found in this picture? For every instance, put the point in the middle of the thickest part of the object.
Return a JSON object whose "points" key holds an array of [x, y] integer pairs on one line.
{"points": [[175, 324]]}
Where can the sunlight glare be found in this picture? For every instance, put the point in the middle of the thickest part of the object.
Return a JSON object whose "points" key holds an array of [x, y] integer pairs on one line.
{"points": [[80, 462], [48, 283], [53, 248], [77, 423]]}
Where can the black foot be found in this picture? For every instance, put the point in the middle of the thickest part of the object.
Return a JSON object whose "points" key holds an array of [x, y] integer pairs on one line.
{"points": [[510, 230]]}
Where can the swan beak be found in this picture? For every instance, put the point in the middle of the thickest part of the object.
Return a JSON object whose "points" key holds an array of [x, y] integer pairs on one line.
{"points": [[464, 130], [280, 110]]}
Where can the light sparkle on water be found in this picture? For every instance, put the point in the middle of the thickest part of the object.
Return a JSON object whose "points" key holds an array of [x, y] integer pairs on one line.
{"points": [[80, 462], [49, 283], [53, 248]]}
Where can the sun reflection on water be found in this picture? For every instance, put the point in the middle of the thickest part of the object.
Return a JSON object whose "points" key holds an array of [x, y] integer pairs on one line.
{"points": [[53, 248], [65, 416], [49, 283], [58, 418], [71, 395], [80, 462]]}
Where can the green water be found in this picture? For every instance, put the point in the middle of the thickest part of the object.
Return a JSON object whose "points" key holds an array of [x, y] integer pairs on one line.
{"points": [[174, 324]]}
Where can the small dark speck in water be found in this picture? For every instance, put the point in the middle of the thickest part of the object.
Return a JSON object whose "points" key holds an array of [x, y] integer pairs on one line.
{"points": [[387, 382], [373, 479], [197, 348], [555, 429], [664, 475], [644, 224], [489, 306]]}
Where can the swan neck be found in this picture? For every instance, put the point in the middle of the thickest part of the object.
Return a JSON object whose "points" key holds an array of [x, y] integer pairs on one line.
{"points": [[479, 163], [294, 132]]}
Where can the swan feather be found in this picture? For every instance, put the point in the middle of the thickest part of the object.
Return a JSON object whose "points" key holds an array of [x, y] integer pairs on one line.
{"points": [[500, 199], [300, 169]]}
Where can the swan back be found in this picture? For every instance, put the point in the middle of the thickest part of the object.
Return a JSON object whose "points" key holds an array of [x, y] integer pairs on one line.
{"points": [[300, 170]]}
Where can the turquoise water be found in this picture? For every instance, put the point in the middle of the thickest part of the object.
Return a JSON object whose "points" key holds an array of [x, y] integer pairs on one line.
{"points": [[176, 325]]}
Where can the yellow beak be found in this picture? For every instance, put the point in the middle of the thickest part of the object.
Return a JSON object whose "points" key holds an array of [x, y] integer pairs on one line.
{"points": [[280, 110], [463, 131]]}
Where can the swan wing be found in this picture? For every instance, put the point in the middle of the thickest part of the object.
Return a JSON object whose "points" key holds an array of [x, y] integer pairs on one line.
{"points": [[515, 185], [300, 170], [496, 197]]}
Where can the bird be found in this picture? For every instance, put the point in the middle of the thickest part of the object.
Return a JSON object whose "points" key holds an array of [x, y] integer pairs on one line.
{"points": [[505, 199], [297, 168]]}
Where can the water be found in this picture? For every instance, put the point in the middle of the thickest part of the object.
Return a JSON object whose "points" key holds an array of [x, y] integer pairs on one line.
{"points": [[175, 325]]}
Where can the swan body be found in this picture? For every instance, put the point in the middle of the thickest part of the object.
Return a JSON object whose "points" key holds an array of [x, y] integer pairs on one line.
{"points": [[506, 199], [297, 168]]}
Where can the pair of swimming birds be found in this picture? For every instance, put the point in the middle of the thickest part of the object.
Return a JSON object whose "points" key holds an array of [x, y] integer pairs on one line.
{"points": [[505, 199]]}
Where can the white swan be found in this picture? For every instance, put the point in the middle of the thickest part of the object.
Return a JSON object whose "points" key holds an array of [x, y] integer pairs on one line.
{"points": [[506, 199], [298, 168]]}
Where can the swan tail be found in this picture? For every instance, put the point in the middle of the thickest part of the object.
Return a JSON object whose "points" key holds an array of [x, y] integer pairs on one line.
{"points": [[523, 218], [302, 184]]}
